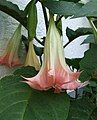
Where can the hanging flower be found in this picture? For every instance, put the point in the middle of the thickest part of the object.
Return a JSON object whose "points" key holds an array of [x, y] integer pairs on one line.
{"points": [[10, 57], [31, 59], [54, 72]]}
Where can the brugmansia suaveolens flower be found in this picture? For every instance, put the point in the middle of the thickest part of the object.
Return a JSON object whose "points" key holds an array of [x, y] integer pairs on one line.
{"points": [[31, 59], [10, 56], [54, 72]]}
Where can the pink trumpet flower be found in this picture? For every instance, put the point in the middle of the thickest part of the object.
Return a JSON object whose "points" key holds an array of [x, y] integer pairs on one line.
{"points": [[31, 59], [54, 72], [10, 56]]}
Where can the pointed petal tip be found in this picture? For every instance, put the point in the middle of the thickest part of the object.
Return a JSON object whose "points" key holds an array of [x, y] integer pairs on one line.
{"points": [[24, 81], [28, 79], [27, 82], [24, 77], [84, 84]]}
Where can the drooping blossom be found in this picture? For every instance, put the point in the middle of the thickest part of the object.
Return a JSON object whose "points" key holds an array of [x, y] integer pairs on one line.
{"points": [[31, 59], [54, 72], [10, 56]]}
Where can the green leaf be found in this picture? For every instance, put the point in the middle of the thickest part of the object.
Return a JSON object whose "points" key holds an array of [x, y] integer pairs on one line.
{"points": [[26, 10], [20, 102], [32, 21], [80, 109], [62, 7], [28, 71], [89, 39], [93, 84], [95, 22], [71, 34], [94, 115], [73, 62], [89, 10], [88, 89], [14, 11], [38, 50], [75, 1], [88, 64]]}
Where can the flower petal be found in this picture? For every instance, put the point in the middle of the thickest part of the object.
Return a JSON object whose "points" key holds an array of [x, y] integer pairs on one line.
{"points": [[54, 72], [31, 59], [10, 56]]}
